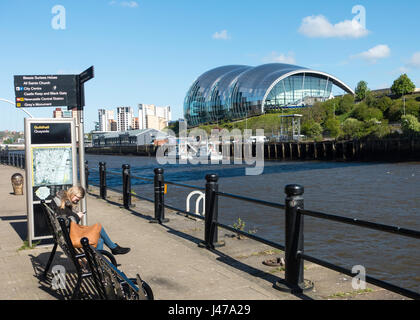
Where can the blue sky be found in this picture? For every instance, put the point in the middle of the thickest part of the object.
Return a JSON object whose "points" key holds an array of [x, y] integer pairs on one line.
{"points": [[151, 51]]}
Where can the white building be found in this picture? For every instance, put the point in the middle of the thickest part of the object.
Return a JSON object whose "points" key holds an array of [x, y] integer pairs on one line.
{"points": [[105, 117], [152, 117], [124, 118]]}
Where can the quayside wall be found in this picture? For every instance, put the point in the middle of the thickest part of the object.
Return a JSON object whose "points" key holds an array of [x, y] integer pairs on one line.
{"points": [[405, 149]]}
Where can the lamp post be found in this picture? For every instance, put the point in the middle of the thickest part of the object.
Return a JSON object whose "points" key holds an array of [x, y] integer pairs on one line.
{"points": [[8, 101]]}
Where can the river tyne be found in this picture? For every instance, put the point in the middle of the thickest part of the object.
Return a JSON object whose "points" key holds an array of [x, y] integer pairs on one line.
{"points": [[385, 193]]}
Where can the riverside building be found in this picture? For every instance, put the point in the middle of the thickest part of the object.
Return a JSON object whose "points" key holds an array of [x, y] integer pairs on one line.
{"points": [[237, 91]]}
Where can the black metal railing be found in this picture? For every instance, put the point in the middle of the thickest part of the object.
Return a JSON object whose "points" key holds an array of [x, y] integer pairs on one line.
{"points": [[294, 281], [12, 158]]}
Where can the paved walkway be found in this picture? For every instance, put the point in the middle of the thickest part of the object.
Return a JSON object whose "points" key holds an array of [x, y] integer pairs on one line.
{"points": [[166, 256]]}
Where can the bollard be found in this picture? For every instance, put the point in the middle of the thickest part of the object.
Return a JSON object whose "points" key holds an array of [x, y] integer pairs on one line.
{"points": [[126, 182], [87, 174], [159, 197], [102, 180], [212, 210], [294, 281]]}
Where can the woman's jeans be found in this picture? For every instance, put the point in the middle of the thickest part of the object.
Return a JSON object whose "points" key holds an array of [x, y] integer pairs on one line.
{"points": [[104, 238]]}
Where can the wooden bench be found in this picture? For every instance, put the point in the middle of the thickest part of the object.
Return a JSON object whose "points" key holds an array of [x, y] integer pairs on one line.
{"points": [[61, 238], [111, 283]]}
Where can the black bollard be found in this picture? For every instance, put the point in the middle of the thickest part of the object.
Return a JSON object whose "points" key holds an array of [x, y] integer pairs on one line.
{"points": [[294, 281], [126, 181], [211, 214], [102, 180], [159, 186]]}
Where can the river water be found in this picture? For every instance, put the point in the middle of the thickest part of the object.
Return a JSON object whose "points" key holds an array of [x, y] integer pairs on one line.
{"points": [[386, 193]]}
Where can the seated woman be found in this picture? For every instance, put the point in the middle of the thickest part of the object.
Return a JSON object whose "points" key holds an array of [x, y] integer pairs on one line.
{"points": [[63, 203]]}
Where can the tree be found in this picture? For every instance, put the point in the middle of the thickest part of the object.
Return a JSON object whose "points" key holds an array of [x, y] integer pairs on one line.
{"points": [[412, 107], [395, 111], [383, 103], [352, 128], [363, 113], [332, 125], [311, 129], [361, 90], [410, 124], [345, 105], [403, 85]]}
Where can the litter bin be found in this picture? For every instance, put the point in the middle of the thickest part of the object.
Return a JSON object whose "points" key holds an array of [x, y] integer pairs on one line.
{"points": [[17, 183]]}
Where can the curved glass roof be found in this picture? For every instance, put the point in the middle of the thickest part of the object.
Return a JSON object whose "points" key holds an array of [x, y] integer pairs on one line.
{"points": [[236, 91]]}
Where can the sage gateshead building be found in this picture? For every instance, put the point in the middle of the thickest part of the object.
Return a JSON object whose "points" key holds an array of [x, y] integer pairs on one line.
{"points": [[236, 91]]}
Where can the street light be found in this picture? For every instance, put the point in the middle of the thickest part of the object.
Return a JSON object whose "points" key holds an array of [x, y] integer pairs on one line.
{"points": [[8, 101]]}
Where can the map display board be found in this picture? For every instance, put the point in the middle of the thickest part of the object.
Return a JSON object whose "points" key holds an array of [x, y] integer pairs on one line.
{"points": [[51, 165]]}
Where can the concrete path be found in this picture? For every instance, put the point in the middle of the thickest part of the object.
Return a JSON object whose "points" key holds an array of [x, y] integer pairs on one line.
{"points": [[166, 256]]}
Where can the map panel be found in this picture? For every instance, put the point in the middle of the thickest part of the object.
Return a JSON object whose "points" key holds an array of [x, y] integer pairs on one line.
{"points": [[52, 166]]}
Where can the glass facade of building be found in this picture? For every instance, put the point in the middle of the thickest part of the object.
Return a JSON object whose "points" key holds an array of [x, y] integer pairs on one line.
{"points": [[235, 92]]}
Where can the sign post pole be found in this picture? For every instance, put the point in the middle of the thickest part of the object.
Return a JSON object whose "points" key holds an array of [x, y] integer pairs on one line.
{"points": [[83, 206], [81, 79]]}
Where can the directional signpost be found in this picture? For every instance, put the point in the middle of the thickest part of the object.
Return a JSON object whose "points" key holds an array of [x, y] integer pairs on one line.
{"points": [[46, 91], [34, 91]]}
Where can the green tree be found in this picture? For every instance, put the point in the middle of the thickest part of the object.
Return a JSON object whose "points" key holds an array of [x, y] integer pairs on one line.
{"points": [[316, 113], [351, 128], [311, 129], [383, 103], [363, 113], [376, 128], [332, 126], [345, 105], [402, 86], [410, 124], [361, 90], [412, 107]]}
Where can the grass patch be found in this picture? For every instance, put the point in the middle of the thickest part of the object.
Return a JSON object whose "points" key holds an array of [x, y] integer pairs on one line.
{"points": [[268, 252], [277, 269], [350, 294], [26, 246]]}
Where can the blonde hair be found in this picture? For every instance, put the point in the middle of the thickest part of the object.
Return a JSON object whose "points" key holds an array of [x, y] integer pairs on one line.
{"points": [[77, 191]]}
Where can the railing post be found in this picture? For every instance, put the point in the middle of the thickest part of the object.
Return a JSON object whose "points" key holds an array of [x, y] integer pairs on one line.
{"points": [[87, 174], [294, 281], [126, 180], [211, 214], [102, 180], [159, 187]]}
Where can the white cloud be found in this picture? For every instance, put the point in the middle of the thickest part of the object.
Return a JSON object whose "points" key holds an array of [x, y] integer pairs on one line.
{"points": [[381, 51], [320, 27], [222, 35], [281, 58], [128, 4], [415, 60]]}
